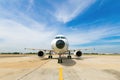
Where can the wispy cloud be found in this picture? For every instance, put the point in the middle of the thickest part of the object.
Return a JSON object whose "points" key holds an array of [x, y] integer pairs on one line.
{"points": [[93, 34], [17, 35], [68, 10], [18, 30]]}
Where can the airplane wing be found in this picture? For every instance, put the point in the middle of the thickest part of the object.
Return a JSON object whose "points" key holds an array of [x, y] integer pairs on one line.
{"points": [[46, 50], [37, 49], [42, 52], [81, 49], [78, 52]]}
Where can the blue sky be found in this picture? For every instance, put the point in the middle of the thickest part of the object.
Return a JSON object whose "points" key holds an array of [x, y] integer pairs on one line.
{"points": [[34, 23]]}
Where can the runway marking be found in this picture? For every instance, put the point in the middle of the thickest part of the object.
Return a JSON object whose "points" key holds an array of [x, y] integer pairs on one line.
{"points": [[61, 73]]}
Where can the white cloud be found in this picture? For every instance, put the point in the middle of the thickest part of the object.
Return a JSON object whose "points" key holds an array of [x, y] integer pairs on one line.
{"points": [[70, 9], [93, 34], [16, 35], [114, 40], [18, 30]]}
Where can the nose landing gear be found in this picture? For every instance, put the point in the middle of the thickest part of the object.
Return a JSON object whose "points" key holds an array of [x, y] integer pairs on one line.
{"points": [[60, 59], [69, 57]]}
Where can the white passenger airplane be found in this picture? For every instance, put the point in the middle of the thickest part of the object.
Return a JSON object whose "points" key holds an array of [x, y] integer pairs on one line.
{"points": [[59, 46]]}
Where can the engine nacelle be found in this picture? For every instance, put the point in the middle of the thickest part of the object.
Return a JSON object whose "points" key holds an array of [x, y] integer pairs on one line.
{"points": [[78, 53], [41, 53]]}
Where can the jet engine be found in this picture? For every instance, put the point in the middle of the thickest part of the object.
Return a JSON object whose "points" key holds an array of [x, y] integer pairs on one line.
{"points": [[78, 53], [41, 53]]}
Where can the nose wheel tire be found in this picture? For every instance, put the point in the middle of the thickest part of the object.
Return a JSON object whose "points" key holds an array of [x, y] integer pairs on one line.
{"points": [[59, 60], [69, 57]]}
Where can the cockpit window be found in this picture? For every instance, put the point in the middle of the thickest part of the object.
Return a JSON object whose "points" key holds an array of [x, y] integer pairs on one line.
{"points": [[62, 37], [57, 37]]}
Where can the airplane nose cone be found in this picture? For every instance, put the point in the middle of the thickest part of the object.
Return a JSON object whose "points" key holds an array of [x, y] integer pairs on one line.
{"points": [[60, 44]]}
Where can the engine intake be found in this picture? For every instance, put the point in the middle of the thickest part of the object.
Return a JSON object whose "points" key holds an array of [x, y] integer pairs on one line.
{"points": [[78, 53], [41, 53]]}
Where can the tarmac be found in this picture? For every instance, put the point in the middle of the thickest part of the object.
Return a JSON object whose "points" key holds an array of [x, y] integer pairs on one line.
{"points": [[88, 67]]}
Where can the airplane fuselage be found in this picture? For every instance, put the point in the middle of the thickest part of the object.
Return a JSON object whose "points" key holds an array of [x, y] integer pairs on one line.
{"points": [[60, 44]]}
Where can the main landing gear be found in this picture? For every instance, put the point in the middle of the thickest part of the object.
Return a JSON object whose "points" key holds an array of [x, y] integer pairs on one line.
{"points": [[69, 56], [50, 55]]}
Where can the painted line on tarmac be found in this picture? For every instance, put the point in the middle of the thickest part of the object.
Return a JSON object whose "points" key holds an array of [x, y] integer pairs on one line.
{"points": [[32, 70], [60, 73]]}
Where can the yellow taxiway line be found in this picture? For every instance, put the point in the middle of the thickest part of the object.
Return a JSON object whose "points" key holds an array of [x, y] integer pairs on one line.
{"points": [[60, 73]]}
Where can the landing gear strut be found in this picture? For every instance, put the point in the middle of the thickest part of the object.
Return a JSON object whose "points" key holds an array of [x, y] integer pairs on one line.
{"points": [[59, 59]]}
